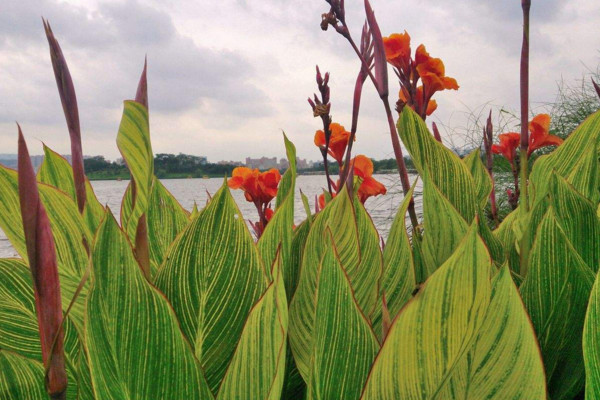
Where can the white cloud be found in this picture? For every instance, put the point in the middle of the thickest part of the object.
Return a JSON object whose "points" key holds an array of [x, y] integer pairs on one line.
{"points": [[225, 77]]}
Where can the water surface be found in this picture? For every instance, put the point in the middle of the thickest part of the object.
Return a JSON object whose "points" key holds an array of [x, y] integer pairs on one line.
{"points": [[187, 191]]}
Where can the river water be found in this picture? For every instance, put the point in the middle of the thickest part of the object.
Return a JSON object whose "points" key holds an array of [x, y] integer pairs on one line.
{"points": [[187, 191]]}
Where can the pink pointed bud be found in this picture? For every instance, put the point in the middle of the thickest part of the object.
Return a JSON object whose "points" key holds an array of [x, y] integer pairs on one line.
{"points": [[319, 77], [436, 133], [141, 95], [381, 75], [41, 254], [68, 99]]}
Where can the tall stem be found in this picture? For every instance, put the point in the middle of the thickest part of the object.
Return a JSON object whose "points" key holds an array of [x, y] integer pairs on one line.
{"points": [[526, 5]]}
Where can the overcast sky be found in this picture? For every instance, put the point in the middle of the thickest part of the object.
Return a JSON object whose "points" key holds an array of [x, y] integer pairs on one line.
{"points": [[226, 77]]}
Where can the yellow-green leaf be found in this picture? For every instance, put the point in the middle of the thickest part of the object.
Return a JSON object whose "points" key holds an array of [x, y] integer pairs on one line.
{"points": [[436, 328], [135, 346], [344, 345], [591, 344], [257, 368], [56, 171], [447, 171], [576, 159], [556, 291], [398, 280], [166, 218], [483, 182], [444, 228], [134, 144], [359, 252], [212, 276], [68, 229], [505, 360]]}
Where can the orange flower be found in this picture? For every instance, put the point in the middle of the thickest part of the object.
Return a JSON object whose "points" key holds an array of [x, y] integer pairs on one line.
{"points": [[258, 187], [431, 104], [432, 73], [508, 145], [269, 213], [363, 168], [337, 142], [539, 133], [397, 49]]}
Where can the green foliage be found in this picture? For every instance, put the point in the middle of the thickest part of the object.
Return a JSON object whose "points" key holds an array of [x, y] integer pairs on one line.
{"points": [[319, 310]]}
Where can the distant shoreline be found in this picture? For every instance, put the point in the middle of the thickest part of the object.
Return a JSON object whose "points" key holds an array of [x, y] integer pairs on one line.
{"points": [[126, 177]]}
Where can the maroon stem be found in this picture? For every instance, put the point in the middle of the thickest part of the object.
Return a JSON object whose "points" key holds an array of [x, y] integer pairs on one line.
{"points": [[402, 171]]}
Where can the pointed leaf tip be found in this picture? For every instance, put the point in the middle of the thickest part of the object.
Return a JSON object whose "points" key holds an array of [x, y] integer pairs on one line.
{"points": [[141, 95]]}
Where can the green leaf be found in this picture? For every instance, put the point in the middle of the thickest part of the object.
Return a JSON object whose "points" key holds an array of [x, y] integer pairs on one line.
{"points": [[134, 144], [280, 229], [19, 331], [556, 291], [483, 182], [591, 344], [359, 252], [505, 234], [68, 229], [447, 171], [577, 216], [505, 360], [436, 328], [136, 349], [166, 218], [56, 171], [576, 159], [398, 281], [257, 368], [444, 228], [23, 378], [291, 274], [344, 345], [212, 276]]}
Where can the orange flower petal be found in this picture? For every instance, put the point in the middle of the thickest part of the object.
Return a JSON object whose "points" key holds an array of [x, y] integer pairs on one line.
{"points": [[370, 187], [421, 55], [363, 166], [431, 107], [319, 138], [397, 49]]}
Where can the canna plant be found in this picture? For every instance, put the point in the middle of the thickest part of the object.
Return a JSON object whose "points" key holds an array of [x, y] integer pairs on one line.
{"points": [[166, 303]]}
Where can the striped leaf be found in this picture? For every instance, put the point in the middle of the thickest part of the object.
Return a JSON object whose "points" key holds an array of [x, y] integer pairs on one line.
{"points": [[136, 348], [56, 171], [444, 228], [505, 234], [591, 344], [291, 274], [447, 171], [68, 229], [505, 360], [23, 378], [436, 328], [280, 229], [19, 332], [257, 368], [398, 280], [212, 276], [483, 182], [344, 345], [576, 159], [359, 252], [555, 292], [166, 218], [134, 144]]}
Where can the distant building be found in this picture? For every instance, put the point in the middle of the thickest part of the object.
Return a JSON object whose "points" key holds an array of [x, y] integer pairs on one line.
{"points": [[230, 162], [262, 163]]}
